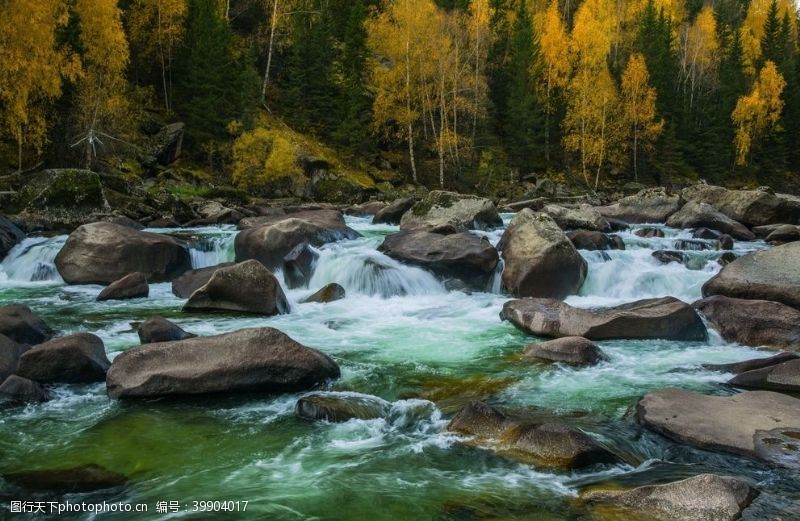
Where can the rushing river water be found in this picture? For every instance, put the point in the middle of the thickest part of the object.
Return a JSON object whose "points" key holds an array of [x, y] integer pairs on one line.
{"points": [[399, 335]]}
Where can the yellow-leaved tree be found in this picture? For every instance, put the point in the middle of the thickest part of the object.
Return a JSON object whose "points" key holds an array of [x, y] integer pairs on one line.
{"points": [[638, 100], [555, 66], [156, 28], [33, 67], [759, 112], [102, 105], [699, 54]]}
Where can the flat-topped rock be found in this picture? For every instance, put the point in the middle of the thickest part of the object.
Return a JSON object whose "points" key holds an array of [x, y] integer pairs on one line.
{"points": [[341, 406], [572, 350], [666, 318], [695, 214], [783, 377], [584, 217], [647, 206], [749, 207], [752, 322], [439, 209], [726, 423], [752, 364]]}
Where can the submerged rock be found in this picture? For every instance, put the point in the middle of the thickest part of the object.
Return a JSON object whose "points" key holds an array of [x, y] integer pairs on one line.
{"points": [[393, 213], [270, 242], [540, 261], [159, 329], [696, 214], [329, 293], [666, 318], [707, 497], [784, 377], [461, 212], [667, 256], [552, 445], [752, 364], [583, 218], [75, 358], [648, 206], [649, 233], [17, 389], [726, 423], [192, 280], [247, 287], [18, 323], [463, 256], [258, 360], [298, 266], [128, 287], [752, 322], [84, 478], [690, 245], [341, 406], [772, 274], [573, 350], [101, 253]]}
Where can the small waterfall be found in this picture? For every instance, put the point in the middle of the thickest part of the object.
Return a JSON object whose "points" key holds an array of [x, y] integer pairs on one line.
{"points": [[210, 250], [33, 260], [359, 268], [496, 282]]}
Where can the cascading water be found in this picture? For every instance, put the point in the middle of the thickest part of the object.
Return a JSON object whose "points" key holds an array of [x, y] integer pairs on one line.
{"points": [[32, 260]]}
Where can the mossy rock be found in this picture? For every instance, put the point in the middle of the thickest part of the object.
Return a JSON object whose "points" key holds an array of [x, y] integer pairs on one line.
{"points": [[66, 188]]}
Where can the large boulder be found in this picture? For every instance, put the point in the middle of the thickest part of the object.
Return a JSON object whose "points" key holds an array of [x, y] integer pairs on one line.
{"points": [[10, 236], [540, 261], [269, 243], [393, 213], [10, 352], [696, 214], [101, 253], [552, 445], [648, 206], [772, 274], [752, 322], [341, 406], [783, 377], [159, 329], [246, 287], [130, 286], [462, 256], [749, 207], [707, 497], [440, 209], [783, 234], [328, 293], [164, 148], [258, 359], [589, 240], [192, 280], [583, 218], [727, 423], [572, 350], [18, 323], [16, 389], [666, 318], [75, 358]]}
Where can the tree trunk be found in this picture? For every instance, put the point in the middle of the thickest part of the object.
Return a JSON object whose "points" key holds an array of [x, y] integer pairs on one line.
{"points": [[162, 59], [635, 162], [408, 110], [273, 24], [19, 150]]}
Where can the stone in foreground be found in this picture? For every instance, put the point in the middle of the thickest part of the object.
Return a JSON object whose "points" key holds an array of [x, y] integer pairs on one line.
{"points": [[707, 497], [341, 406], [21, 390], [20, 325], [726, 423], [257, 360], [540, 261], [772, 274], [572, 350], [552, 445], [247, 287], [666, 318], [77, 358], [101, 253], [128, 287], [752, 322]]}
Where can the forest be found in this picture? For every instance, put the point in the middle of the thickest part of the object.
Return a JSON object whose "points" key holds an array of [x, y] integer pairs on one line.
{"points": [[464, 94]]}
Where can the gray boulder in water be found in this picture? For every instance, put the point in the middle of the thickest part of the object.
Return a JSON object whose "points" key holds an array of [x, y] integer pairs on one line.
{"points": [[393, 213], [647, 206], [21, 390], [783, 377], [247, 287], [248, 360], [752, 322], [192, 280], [159, 329], [696, 214], [10, 352], [551, 445], [75, 358], [130, 286], [328, 293], [341, 406], [18, 323], [666, 318], [752, 364], [707, 497], [572, 350], [749, 207], [459, 212], [10, 236]]}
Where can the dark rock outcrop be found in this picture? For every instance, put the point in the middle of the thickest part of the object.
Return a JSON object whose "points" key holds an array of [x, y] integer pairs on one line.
{"points": [[572, 350], [540, 261], [552, 445], [192, 280], [667, 318], [101, 253], [10, 352], [75, 358], [329, 293], [246, 287], [16, 389], [460, 212], [159, 329], [783, 234], [10, 236], [393, 213], [772, 274], [783, 377], [752, 322], [590, 240], [20, 325], [130, 286], [249, 360], [298, 266]]}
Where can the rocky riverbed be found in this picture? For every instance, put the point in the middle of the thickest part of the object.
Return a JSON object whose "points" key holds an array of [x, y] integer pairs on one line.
{"points": [[428, 359]]}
